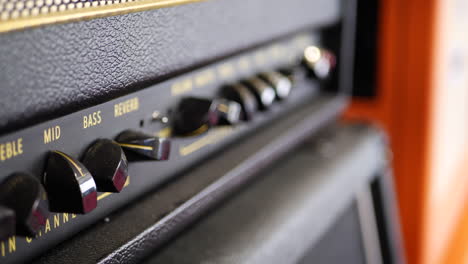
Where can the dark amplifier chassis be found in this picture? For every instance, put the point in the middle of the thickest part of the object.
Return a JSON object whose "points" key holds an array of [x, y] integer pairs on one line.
{"points": [[26, 150]]}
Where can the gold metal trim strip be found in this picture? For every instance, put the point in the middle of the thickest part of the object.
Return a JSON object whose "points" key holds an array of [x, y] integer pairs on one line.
{"points": [[88, 13]]}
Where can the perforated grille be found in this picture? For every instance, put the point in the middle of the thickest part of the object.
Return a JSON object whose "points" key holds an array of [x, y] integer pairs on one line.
{"points": [[13, 9], [20, 14]]}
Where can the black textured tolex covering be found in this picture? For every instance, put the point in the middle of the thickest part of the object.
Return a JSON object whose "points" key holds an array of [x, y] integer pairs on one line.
{"points": [[54, 70]]}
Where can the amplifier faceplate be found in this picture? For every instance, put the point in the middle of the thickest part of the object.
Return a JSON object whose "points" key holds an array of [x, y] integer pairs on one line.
{"points": [[27, 150]]}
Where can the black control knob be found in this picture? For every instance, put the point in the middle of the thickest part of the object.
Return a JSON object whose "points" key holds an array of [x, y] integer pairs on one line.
{"points": [[320, 62], [195, 115], [69, 185], [281, 83], [106, 162], [144, 145], [241, 94], [7, 223], [24, 195], [264, 93]]}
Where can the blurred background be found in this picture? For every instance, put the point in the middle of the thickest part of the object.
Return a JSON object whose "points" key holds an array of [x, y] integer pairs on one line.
{"points": [[421, 100]]}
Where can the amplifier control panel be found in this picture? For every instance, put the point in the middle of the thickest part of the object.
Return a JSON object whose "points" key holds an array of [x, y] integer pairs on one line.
{"points": [[62, 175]]}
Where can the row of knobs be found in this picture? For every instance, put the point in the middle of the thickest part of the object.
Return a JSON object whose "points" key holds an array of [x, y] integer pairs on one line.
{"points": [[242, 100], [71, 185], [235, 103]]}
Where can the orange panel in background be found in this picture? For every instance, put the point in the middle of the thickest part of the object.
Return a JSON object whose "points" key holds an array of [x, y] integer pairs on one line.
{"points": [[422, 103], [393, 111]]}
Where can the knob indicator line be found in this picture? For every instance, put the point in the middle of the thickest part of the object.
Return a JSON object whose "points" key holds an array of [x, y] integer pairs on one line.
{"points": [[136, 146], [71, 161]]}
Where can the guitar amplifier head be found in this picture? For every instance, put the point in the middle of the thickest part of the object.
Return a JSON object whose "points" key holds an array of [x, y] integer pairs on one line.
{"points": [[104, 101], [54, 63]]}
